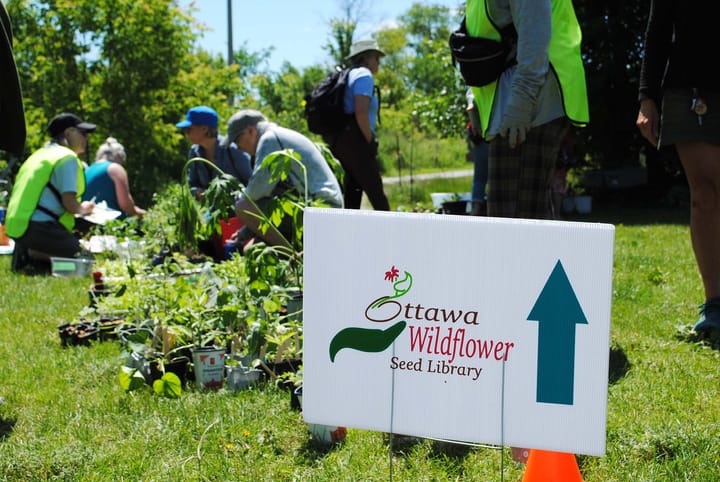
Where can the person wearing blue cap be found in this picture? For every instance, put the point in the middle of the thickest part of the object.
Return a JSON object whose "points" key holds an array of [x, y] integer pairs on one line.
{"points": [[201, 127]]}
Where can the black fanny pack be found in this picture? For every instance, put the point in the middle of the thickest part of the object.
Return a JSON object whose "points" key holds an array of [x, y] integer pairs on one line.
{"points": [[482, 60]]}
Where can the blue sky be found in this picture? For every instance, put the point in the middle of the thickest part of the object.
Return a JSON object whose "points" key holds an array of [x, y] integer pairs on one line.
{"points": [[297, 29]]}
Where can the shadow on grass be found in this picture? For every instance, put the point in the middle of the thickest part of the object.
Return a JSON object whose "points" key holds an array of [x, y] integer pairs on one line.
{"points": [[313, 450], [633, 216], [401, 444], [6, 427], [640, 205], [710, 339], [619, 364], [451, 450]]}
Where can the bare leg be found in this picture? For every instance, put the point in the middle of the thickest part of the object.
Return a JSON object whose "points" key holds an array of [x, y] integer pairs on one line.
{"points": [[702, 167]]}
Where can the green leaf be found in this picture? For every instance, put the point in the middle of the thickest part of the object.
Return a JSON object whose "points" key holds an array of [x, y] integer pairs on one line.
{"points": [[270, 305], [131, 379], [168, 385], [121, 290]]}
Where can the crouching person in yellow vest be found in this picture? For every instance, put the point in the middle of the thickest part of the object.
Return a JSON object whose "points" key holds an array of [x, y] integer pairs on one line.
{"points": [[46, 195], [526, 112]]}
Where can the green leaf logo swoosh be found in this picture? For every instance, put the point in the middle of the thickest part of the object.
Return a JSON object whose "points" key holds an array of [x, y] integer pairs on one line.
{"points": [[365, 339]]}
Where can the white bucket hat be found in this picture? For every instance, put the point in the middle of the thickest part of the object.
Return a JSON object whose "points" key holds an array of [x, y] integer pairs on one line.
{"points": [[363, 46]]}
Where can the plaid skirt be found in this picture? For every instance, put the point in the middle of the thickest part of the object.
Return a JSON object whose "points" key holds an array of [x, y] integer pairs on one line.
{"points": [[519, 179]]}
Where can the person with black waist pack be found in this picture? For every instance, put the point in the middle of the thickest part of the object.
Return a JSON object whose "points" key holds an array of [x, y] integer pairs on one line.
{"points": [[46, 195], [525, 113], [678, 79], [356, 146]]}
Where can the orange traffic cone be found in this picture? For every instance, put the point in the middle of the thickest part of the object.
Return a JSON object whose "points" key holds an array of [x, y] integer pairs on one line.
{"points": [[545, 466]]}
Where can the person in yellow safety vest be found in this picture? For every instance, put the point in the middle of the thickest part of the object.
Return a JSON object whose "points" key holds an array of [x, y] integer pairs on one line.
{"points": [[526, 112], [46, 195]]}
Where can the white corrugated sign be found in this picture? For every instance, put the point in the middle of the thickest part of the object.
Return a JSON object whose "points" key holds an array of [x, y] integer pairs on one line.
{"points": [[456, 327]]}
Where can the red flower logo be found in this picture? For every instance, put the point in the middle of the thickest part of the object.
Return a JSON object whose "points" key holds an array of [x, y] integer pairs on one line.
{"points": [[392, 275]]}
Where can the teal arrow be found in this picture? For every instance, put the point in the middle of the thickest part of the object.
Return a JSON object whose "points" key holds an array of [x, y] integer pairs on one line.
{"points": [[557, 311]]}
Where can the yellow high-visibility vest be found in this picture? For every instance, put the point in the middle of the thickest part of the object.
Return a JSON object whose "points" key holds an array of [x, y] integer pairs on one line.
{"points": [[33, 176], [564, 54]]}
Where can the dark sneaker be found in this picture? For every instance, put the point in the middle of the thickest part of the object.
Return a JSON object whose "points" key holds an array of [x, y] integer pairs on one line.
{"points": [[709, 317], [20, 258]]}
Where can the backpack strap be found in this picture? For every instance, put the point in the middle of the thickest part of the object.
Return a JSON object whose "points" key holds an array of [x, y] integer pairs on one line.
{"points": [[57, 194], [376, 91], [507, 33]]}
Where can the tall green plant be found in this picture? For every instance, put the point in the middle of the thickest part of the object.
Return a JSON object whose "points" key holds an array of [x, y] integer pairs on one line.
{"points": [[197, 221], [291, 204]]}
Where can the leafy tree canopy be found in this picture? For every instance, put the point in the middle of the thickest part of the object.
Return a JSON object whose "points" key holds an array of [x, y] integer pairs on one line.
{"points": [[133, 67]]}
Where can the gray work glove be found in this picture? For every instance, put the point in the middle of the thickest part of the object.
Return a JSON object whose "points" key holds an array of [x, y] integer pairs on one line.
{"points": [[516, 121]]}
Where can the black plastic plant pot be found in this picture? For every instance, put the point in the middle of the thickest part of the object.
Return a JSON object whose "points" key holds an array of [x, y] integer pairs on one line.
{"points": [[454, 207], [178, 367], [87, 333], [67, 334], [109, 328]]}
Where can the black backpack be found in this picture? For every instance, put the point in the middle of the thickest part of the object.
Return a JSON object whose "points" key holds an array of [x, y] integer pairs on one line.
{"points": [[482, 60], [324, 105]]}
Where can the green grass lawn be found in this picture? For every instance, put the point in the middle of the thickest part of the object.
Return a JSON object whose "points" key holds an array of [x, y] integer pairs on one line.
{"points": [[65, 416]]}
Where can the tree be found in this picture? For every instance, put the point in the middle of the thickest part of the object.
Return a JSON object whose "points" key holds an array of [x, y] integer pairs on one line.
{"points": [[437, 98], [51, 65], [133, 68], [282, 95], [129, 66], [393, 71], [613, 34], [342, 32], [427, 28]]}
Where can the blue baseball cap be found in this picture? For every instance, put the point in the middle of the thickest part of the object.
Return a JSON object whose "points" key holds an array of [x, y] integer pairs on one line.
{"points": [[201, 115]]}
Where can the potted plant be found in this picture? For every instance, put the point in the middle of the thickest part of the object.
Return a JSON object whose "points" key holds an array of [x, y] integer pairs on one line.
{"points": [[239, 374], [292, 381], [80, 333], [202, 220], [191, 221], [455, 205], [581, 180], [281, 266], [163, 370], [172, 358], [154, 353], [209, 367]]}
